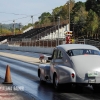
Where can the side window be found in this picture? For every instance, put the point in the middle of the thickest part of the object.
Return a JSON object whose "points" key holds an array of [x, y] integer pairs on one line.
{"points": [[59, 55], [55, 54], [70, 53]]}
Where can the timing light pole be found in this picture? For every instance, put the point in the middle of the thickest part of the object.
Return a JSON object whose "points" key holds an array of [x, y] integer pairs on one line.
{"points": [[58, 28]]}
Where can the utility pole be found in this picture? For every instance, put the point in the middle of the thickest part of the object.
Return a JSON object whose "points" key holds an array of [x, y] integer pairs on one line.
{"points": [[14, 26], [32, 21], [1, 28], [69, 15], [58, 28], [19, 26]]}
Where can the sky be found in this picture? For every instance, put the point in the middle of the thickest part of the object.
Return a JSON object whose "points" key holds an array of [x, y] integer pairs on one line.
{"points": [[21, 11]]}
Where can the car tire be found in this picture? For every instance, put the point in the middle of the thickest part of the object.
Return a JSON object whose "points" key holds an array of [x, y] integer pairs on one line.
{"points": [[96, 88], [78, 88], [41, 80], [68, 87], [55, 82]]}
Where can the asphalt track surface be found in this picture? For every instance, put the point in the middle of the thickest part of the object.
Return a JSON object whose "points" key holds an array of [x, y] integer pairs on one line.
{"points": [[25, 74]]}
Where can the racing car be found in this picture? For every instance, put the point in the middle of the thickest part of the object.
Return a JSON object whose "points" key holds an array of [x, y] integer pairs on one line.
{"points": [[72, 64]]}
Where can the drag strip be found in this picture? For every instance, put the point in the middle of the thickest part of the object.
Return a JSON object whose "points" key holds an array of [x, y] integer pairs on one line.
{"points": [[25, 74]]}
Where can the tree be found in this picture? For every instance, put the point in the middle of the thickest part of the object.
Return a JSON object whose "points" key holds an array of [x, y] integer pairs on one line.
{"points": [[6, 32], [91, 4], [64, 12], [94, 5], [78, 18], [57, 12], [45, 18], [98, 1], [92, 23]]}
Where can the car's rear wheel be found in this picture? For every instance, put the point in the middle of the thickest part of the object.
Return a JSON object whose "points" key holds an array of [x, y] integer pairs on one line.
{"points": [[96, 88], [78, 88], [55, 82]]}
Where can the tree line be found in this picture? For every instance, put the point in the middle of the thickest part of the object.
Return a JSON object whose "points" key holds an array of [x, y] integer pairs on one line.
{"points": [[84, 18]]}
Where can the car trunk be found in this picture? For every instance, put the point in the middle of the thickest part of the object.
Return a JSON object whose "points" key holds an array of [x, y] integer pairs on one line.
{"points": [[87, 65]]}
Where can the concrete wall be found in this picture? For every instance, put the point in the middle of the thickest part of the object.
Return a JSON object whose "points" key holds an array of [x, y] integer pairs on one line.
{"points": [[47, 50]]}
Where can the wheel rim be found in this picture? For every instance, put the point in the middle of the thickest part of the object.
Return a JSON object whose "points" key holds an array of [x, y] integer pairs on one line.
{"points": [[56, 82], [40, 77]]}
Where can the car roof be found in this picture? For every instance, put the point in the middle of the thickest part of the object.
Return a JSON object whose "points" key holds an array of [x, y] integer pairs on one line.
{"points": [[67, 47]]}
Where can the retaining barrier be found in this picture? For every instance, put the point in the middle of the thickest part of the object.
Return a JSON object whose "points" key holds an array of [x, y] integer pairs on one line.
{"points": [[47, 50]]}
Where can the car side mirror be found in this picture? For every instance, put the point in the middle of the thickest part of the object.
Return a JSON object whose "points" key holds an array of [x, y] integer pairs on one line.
{"points": [[49, 58]]}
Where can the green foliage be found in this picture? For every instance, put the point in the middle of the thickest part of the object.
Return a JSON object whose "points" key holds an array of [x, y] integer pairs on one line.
{"points": [[94, 5], [84, 18], [27, 26], [79, 13], [5, 32], [45, 18], [90, 4], [92, 22]]}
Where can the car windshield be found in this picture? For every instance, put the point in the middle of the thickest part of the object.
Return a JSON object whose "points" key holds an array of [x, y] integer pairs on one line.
{"points": [[75, 52]]}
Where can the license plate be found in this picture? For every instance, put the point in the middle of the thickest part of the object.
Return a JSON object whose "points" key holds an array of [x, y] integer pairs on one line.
{"points": [[92, 80], [92, 74]]}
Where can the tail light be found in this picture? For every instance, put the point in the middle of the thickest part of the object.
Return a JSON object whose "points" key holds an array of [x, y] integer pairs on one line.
{"points": [[73, 75]]}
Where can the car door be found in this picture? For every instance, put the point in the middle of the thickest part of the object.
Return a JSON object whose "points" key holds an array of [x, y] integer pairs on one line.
{"points": [[57, 59], [52, 63]]}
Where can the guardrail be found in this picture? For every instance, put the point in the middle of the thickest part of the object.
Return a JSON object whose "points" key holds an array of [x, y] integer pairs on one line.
{"points": [[88, 41]]}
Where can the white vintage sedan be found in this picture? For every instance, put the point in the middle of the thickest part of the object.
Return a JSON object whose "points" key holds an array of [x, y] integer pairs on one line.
{"points": [[72, 64]]}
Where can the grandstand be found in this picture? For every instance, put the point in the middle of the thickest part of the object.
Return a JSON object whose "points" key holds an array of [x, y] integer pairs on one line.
{"points": [[43, 36], [46, 36]]}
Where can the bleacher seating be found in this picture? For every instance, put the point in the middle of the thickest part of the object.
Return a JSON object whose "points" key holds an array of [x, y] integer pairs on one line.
{"points": [[31, 33], [37, 34]]}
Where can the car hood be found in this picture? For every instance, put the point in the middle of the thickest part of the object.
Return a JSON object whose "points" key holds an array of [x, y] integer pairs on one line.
{"points": [[84, 64]]}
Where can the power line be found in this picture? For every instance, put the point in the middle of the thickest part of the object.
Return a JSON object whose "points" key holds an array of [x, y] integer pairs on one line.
{"points": [[22, 18], [12, 13], [20, 14], [27, 21], [16, 19]]}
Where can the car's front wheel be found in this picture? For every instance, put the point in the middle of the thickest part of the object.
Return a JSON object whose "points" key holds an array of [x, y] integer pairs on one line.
{"points": [[41, 80]]}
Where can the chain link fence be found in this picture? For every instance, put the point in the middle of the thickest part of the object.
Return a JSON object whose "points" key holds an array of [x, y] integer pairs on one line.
{"points": [[88, 41]]}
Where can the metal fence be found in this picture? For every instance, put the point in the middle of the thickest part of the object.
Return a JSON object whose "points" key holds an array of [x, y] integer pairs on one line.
{"points": [[88, 41], [53, 42], [40, 43]]}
